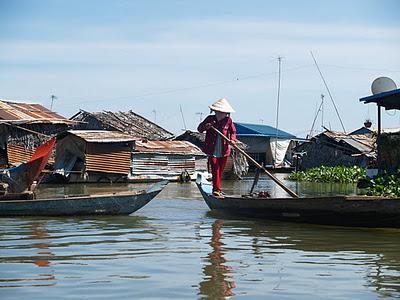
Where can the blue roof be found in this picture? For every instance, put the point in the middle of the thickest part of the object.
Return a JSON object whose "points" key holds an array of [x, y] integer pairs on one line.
{"points": [[245, 129], [388, 100]]}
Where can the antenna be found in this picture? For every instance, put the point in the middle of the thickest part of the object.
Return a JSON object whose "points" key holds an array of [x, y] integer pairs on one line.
{"points": [[200, 115], [329, 92], [155, 115], [183, 118], [52, 100]]}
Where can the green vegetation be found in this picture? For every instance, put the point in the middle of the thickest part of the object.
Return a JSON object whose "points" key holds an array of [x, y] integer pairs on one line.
{"points": [[385, 185], [337, 174], [382, 185]]}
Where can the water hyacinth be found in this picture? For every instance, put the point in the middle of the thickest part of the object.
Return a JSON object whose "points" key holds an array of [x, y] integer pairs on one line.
{"points": [[338, 174], [385, 185]]}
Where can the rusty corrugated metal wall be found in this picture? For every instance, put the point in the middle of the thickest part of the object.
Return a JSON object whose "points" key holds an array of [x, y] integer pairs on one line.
{"points": [[17, 154], [108, 158]]}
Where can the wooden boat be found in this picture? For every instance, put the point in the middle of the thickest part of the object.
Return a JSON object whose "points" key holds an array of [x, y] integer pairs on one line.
{"points": [[122, 203], [358, 211]]}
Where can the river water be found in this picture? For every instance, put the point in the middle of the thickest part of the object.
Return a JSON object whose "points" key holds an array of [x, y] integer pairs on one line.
{"points": [[176, 248]]}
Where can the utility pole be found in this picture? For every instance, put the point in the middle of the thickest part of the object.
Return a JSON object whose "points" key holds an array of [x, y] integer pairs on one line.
{"points": [[52, 100]]}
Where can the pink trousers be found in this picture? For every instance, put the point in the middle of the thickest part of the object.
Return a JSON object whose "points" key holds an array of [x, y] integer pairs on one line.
{"points": [[217, 167]]}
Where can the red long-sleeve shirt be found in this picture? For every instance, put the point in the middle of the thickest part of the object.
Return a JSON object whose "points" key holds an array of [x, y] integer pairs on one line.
{"points": [[225, 126]]}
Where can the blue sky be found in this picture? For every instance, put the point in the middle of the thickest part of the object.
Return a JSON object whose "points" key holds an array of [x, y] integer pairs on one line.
{"points": [[156, 56]]}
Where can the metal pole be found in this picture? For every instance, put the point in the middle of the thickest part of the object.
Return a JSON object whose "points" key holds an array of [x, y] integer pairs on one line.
{"points": [[378, 148], [277, 106]]}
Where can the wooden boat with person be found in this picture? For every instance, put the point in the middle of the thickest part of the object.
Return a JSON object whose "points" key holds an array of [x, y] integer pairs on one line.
{"points": [[121, 203], [357, 211]]}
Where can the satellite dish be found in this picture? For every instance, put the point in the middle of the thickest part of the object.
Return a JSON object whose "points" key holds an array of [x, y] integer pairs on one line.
{"points": [[382, 84]]}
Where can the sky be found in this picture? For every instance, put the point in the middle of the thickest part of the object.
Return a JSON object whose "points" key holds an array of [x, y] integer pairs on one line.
{"points": [[169, 60]]}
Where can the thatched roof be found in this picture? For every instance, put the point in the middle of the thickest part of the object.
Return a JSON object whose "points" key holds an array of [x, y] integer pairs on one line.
{"points": [[126, 122]]}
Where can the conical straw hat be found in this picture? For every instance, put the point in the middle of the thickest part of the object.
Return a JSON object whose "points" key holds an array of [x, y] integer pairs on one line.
{"points": [[222, 105]]}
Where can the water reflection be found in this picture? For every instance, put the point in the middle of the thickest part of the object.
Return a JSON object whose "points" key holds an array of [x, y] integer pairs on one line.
{"points": [[40, 258], [176, 248], [44, 254], [49, 244], [217, 282], [376, 251]]}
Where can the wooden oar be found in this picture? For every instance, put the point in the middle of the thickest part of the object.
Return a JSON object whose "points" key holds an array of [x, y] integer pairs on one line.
{"points": [[280, 183]]}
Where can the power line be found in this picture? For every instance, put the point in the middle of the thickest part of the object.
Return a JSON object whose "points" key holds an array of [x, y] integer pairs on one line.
{"points": [[182, 89]]}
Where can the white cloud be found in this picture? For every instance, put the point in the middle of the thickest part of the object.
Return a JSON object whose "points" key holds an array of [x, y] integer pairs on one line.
{"points": [[206, 57]]}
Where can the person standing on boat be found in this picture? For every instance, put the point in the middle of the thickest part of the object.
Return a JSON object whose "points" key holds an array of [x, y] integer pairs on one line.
{"points": [[215, 146]]}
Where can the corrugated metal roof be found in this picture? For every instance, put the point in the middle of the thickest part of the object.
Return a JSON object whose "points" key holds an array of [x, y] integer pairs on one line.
{"points": [[245, 129], [172, 147], [388, 100], [102, 136], [22, 113], [361, 142]]}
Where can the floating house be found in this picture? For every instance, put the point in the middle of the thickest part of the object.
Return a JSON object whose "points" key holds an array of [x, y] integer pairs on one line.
{"points": [[269, 146], [112, 156], [93, 156], [25, 126], [126, 122], [331, 148], [153, 155]]}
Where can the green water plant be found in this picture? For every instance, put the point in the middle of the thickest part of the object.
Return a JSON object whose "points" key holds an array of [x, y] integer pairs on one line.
{"points": [[385, 185], [337, 174]]}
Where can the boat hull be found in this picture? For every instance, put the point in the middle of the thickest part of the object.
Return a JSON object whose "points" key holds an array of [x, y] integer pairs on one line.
{"points": [[358, 211], [108, 204]]}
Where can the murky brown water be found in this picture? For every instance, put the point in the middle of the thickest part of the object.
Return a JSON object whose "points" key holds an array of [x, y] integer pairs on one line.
{"points": [[176, 248]]}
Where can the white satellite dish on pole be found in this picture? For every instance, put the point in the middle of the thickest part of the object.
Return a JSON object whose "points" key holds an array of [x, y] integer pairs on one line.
{"points": [[382, 84]]}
